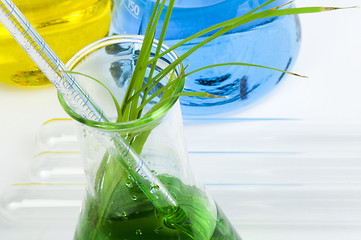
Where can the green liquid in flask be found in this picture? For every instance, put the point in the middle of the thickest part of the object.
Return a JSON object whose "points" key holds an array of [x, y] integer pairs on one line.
{"points": [[130, 215]]}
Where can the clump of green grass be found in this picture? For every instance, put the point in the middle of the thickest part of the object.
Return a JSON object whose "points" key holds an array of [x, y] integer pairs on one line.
{"points": [[132, 106]]}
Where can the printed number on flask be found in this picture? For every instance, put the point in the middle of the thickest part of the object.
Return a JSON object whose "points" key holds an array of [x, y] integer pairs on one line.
{"points": [[132, 8]]}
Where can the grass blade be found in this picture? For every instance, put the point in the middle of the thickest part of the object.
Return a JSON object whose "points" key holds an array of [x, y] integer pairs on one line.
{"points": [[213, 28], [159, 46], [139, 71], [116, 103], [275, 12], [243, 64]]}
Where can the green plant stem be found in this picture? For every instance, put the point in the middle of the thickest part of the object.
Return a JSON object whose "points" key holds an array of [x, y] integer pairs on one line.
{"points": [[106, 184], [140, 74], [145, 50], [159, 47]]}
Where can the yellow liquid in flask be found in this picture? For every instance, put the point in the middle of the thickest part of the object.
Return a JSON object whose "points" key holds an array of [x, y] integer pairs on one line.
{"points": [[66, 25]]}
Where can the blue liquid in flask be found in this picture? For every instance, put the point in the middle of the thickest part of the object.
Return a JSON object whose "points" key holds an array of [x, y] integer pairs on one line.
{"points": [[272, 42]]}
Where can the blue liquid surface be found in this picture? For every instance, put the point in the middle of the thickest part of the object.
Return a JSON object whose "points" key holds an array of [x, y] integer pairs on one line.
{"points": [[269, 42]]}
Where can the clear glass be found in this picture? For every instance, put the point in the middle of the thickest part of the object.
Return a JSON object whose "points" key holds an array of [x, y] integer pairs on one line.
{"points": [[66, 25], [284, 179], [123, 202], [270, 42]]}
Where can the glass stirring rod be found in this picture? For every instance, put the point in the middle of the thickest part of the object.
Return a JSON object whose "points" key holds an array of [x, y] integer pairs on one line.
{"points": [[53, 68]]}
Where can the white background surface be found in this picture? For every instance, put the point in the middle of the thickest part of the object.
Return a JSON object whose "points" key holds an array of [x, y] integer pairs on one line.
{"points": [[330, 55]]}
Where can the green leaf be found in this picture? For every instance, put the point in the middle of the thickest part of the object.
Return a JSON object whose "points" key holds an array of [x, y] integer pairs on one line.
{"points": [[243, 64], [231, 24], [159, 47], [167, 90], [141, 66], [116, 103], [198, 94]]}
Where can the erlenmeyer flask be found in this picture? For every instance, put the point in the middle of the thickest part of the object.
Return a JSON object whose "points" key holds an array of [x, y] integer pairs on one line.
{"points": [[66, 25], [269, 42], [118, 204]]}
